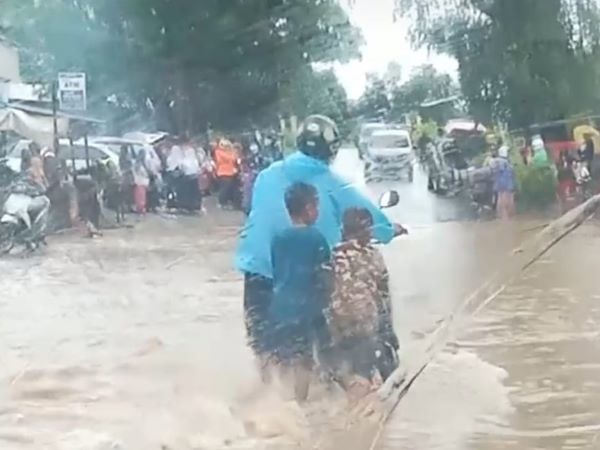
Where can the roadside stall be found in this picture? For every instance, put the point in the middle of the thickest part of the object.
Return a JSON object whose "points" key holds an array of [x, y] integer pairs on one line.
{"points": [[55, 132], [562, 135], [37, 126]]}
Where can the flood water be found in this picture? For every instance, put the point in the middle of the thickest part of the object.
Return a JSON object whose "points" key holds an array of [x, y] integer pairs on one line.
{"points": [[135, 341]]}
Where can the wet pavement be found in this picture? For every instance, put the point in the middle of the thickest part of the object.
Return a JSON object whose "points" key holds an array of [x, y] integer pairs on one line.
{"points": [[135, 341]]}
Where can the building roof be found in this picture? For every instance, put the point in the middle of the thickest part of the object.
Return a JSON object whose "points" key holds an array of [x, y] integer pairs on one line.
{"points": [[48, 112], [440, 101]]}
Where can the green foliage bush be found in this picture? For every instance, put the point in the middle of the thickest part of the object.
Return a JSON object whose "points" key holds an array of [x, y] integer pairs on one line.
{"points": [[426, 128], [536, 186]]}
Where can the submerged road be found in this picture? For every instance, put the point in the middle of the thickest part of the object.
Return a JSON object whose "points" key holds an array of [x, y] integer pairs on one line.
{"points": [[135, 341]]}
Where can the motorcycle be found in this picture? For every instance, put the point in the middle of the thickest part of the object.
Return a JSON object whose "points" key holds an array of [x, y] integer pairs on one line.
{"points": [[23, 215], [387, 352], [481, 183]]}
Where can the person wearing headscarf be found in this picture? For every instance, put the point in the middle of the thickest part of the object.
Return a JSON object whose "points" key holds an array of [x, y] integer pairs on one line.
{"points": [[207, 170], [504, 184], [36, 166], [189, 197], [540, 155], [141, 180], [252, 163], [126, 169], [173, 175], [154, 167]]}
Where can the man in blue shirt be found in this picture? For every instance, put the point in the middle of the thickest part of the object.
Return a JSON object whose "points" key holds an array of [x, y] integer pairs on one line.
{"points": [[318, 141]]}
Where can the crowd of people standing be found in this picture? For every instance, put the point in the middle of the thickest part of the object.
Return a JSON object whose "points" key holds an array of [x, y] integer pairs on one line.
{"points": [[180, 172], [174, 175]]}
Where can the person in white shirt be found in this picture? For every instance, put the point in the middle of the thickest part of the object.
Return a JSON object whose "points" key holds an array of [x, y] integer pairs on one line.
{"points": [[188, 191]]}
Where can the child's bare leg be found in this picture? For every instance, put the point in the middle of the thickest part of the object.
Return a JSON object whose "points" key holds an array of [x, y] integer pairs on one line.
{"points": [[266, 365], [302, 374]]}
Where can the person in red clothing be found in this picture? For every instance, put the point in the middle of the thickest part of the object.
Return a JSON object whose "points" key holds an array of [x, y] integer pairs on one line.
{"points": [[141, 179], [227, 170], [566, 180]]}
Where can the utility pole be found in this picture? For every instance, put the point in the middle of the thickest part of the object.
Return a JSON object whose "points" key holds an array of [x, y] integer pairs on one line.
{"points": [[55, 117]]}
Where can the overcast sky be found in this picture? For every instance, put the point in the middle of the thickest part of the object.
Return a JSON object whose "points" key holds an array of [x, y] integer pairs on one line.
{"points": [[386, 41]]}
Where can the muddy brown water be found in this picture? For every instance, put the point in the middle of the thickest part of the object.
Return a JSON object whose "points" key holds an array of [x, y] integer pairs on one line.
{"points": [[135, 341]]}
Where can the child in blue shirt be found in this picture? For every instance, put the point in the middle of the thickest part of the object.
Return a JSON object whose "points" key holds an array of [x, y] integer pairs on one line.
{"points": [[296, 318]]}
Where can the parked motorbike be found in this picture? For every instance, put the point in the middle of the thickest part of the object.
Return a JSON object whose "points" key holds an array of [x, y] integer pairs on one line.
{"points": [[23, 215], [445, 165], [437, 170], [481, 183]]}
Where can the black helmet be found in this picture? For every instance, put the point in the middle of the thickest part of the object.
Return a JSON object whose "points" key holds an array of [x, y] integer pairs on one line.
{"points": [[319, 137]]}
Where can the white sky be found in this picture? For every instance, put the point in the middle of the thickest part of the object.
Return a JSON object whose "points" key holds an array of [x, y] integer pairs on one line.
{"points": [[386, 41]]}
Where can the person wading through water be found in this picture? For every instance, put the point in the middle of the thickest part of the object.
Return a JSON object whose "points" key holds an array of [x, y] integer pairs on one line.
{"points": [[296, 321], [318, 142], [360, 312]]}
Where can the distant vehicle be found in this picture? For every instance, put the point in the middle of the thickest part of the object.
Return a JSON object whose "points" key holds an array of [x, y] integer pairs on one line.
{"points": [[115, 144], [146, 138], [67, 153], [365, 132], [389, 154], [463, 126]]}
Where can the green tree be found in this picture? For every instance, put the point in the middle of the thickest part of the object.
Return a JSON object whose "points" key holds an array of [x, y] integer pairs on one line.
{"points": [[315, 92], [197, 62], [522, 61], [393, 76], [374, 103], [424, 84]]}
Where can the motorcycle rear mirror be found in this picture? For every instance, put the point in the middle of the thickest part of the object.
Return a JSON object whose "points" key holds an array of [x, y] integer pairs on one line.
{"points": [[389, 199]]}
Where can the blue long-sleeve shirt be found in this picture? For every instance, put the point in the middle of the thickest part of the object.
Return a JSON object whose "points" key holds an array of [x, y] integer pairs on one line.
{"points": [[269, 216], [300, 283]]}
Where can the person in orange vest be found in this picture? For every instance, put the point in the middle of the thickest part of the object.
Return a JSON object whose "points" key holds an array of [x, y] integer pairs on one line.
{"points": [[227, 170]]}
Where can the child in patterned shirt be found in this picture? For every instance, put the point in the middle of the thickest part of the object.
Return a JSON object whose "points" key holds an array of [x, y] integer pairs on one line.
{"points": [[360, 316]]}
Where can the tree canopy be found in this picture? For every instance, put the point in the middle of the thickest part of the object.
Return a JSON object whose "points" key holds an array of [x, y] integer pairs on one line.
{"points": [[389, 98], [425, 84], [190, 62], [521, 61]]}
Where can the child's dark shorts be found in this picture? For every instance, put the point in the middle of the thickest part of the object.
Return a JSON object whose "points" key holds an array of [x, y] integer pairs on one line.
{"points": [[288, 342]]}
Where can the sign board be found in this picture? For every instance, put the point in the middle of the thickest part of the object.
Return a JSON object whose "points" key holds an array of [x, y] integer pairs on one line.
{"points": [[9, 63], [72, 94]]}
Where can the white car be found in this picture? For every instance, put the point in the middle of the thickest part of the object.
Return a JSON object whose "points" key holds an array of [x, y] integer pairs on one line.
{"points": [[389, 153], [67, 153], [146, 138], [364, 134], [116, 143]]}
